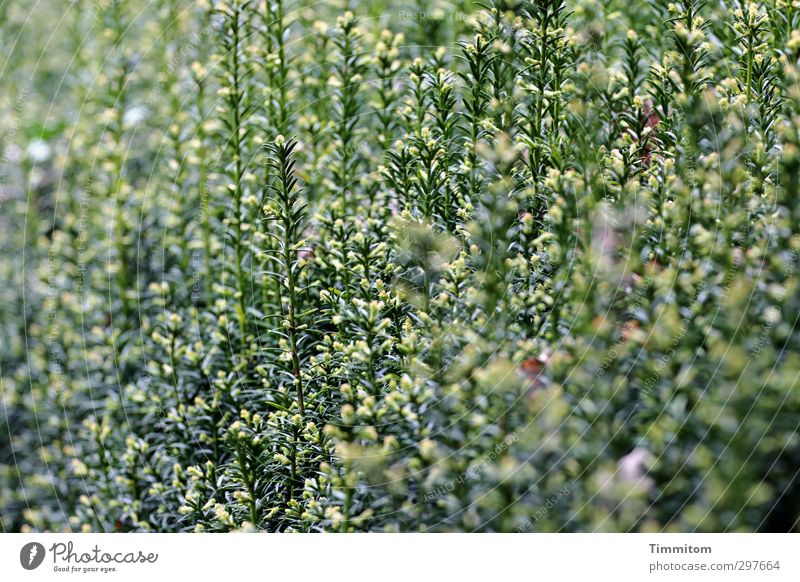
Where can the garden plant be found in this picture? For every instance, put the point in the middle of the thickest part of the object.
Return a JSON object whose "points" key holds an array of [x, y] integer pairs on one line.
{"points": [[400, 265]]}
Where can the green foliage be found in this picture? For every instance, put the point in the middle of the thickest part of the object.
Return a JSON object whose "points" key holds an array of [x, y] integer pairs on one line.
{"points": [[270, 267]]}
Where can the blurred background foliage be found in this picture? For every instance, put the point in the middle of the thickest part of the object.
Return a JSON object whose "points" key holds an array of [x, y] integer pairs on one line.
{"points": [[387, 266]]}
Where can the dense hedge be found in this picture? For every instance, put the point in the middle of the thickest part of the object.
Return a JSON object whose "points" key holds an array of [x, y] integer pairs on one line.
{"points": [[287, 266]]}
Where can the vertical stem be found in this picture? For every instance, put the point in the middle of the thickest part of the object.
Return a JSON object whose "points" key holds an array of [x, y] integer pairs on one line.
{"points": [[235, 104], [293, 328], [282, 113], [205, 201], [749, 64]]}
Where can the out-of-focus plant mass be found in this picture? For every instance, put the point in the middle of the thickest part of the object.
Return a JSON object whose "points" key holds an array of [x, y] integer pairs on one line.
{"points": [[277, 265]]}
